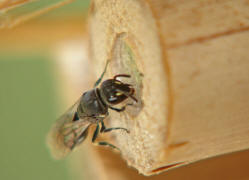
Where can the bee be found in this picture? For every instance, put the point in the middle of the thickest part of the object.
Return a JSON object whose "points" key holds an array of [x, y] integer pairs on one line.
{"points": [[71, 129]]}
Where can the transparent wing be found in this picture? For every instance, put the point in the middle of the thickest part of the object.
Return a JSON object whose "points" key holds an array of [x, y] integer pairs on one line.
{"points": [[66, 133]]}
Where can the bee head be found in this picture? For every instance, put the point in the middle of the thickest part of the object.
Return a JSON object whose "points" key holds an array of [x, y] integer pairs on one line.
{"points": [[114, 91]]}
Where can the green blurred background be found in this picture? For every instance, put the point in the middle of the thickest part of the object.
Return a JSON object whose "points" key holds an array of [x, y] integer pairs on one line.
{"points": [[29, 101]]}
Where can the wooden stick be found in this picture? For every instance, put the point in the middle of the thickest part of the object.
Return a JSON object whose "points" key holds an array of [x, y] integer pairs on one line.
{"points": [[189, 64]]}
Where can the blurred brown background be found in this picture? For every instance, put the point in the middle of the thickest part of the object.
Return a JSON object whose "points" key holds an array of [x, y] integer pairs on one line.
{"points": [[31, 96]]}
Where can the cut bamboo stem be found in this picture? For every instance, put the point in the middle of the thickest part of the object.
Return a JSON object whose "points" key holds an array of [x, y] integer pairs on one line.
{"points": [[189, 63]]}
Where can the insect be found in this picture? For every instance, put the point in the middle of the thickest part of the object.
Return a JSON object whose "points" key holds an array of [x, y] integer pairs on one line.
{"points": [[71, 129]]}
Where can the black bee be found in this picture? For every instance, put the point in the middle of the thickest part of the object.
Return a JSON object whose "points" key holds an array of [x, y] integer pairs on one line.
{"points": [[71, 128]]}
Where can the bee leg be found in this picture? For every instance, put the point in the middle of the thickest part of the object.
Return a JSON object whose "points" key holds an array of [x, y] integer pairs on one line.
{"points": [[76, 117], [102, 75], [102, 143], [96, 133], [102, 126], [120, 109], [104, 129], [117, 109]]}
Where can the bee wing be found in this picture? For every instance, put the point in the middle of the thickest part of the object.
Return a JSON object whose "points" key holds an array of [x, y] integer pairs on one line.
{"points": [[66, 133]]}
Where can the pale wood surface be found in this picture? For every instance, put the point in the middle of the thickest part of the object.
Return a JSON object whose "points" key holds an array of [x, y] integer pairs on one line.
{"points": [[195, 89]]}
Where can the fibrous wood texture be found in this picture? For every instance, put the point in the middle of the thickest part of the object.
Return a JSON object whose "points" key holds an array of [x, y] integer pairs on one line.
{"points": [[189, 63]]}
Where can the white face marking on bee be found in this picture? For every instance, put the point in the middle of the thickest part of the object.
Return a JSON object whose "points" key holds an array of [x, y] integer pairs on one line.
{"points": [[117, 82], [119, 94]]}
